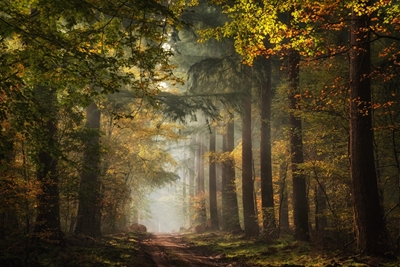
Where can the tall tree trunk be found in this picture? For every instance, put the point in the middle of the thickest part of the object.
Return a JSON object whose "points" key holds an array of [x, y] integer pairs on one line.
{"points": [[48, 224], [224, 193], [8, 213], [192, 166], [250, 217], [192, 176], [89, 216], [369, 224], [320, 207], [300, 205], [213, 185], [267, 192], [283, 198], [201, 210], [184, 179], [230, 209]]}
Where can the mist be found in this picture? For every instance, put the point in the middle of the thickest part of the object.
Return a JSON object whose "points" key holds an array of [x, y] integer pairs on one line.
{"points": [[165, 211]]}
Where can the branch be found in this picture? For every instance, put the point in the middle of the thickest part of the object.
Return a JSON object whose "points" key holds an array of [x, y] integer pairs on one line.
{"points": [[391, 209]]}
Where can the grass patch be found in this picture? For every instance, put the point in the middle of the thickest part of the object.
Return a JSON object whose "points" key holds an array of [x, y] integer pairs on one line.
{"points": [[282, 252]]}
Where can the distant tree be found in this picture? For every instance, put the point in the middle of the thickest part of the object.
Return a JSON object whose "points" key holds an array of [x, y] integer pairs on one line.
{"points": [[213, 183], [201, 213], [192, 166]]}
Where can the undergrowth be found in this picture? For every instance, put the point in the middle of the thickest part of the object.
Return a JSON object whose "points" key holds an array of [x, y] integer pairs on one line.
{"points": [[113, 250]]}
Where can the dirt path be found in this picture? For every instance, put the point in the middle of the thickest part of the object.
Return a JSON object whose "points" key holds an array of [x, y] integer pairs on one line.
{"points": [[171, 250]]}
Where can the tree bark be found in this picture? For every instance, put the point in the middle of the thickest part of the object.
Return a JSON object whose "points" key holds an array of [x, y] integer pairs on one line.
{"points": [[267, 192], [214, 223], [250, 218], [89, 211], [283, 198], [369, 223], [300, 204]]}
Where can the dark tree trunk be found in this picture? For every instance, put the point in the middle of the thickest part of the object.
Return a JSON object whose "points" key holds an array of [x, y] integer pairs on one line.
{"points": [[320, 207], [48, 224], [250, 218], [9, 223], [267, 192], [230, 210], [369, 223], [213, 185], [283, 198], [300, 205], [89, 211]]}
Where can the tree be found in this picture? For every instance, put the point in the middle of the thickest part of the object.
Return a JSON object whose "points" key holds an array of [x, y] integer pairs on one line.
{"points": [[300, 204], [89, 212], [48, 225], [267, 192], [369, 224], [201, 214], [250, 217], [213, 183], [230, 210]]}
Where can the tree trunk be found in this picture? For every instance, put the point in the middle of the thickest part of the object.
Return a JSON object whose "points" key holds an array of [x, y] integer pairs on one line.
{"points": [[283, 198], [369, 224], [192, 175], [48, 224], [213, 185], [89, 211], [300, 205], [192, 166], [267, 192], [201, 210], [230, 209], [250, 218], [320, 206], [184, 195]]}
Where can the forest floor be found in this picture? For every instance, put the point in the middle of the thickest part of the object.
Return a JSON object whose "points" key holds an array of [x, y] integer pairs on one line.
{"points": [[180, 250], [224, 249]]}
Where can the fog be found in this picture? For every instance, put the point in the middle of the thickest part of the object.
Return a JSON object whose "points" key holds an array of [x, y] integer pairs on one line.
{"points": [[165, 211]]}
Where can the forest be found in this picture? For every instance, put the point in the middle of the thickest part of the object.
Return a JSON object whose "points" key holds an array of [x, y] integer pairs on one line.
{"points": [[269, 120]]}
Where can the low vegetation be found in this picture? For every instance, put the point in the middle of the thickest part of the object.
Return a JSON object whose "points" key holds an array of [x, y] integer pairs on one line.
{"points": [[282, 252], [113, 250]]}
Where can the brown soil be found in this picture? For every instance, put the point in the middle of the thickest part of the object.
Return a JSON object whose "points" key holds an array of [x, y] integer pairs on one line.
{"points": [[171, 250]]}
